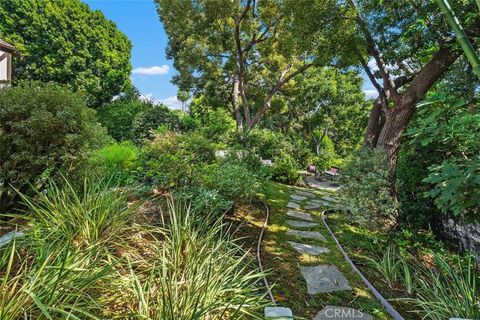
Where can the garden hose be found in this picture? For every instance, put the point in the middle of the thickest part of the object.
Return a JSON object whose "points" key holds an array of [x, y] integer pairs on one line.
{"points": [[390, 309], [259, 244]]}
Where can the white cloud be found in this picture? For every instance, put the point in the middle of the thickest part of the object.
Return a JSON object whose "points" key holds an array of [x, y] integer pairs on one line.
{"points": [[154, 70], [370, 93], [171, 102]]}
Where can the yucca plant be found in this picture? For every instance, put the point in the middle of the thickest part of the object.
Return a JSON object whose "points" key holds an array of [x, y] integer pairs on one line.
{"points": [[199, 272], [449, 291]]}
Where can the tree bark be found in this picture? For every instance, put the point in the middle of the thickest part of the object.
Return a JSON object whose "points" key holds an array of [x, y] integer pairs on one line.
{"points": [[398, 117], [235, 104]]}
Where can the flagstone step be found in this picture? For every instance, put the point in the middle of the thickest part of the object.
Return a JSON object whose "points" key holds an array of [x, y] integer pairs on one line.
{"points": [[305, 193], [306, 234], [309, 249], [299, 215], [301, 224], [341, 313], [278, 313], [311, 205], [297, 197], [324, 278], [293, 205]]}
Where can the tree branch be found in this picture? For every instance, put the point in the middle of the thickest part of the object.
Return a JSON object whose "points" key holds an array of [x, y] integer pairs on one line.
{"points": [[284, 78], [373, 51]]}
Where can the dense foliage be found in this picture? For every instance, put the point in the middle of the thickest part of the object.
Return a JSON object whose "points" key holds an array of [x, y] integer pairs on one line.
{"points": [[118, 116], [151, 118], [44, 130], [64, 41], [367, 189]]}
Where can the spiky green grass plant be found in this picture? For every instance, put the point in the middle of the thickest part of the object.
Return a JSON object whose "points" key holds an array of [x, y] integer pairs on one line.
{"points": [[199, 272], [84, 256], [98, 214], [49, 282], [449, 290]]}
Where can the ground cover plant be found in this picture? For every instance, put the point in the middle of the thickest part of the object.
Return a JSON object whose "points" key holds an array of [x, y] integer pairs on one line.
{"points": [[80, 257]]}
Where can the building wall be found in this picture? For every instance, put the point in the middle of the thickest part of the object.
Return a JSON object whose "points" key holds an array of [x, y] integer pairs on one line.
{"points": [[3, 67]]}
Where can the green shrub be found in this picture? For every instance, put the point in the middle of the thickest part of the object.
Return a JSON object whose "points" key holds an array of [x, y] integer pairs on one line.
{"points": [[202, 199], [439, 160], [268, 144], [367, 188], [117, 160], [118, 116], [234, 181], [285, 170], [173, 160], [44, 129], [148, 120], [326, 155], [456, 186]]}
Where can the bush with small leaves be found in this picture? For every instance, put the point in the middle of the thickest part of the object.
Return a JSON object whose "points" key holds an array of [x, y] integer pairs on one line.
{"points": [[147, 121], [367, 188], [44, 130], [285, 170]]}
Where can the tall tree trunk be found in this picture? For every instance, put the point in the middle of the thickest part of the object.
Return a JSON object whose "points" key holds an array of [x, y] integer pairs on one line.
{"points": [[373, 125], [236, 105], [398, 117]]}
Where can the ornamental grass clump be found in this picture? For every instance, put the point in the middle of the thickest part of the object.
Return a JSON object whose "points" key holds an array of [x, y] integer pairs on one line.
{"points": [[199, 272]]}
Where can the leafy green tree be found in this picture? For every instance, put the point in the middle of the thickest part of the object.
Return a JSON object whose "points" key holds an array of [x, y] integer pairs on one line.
{"points": [[183, 96], [256, 47], [118, 116], [150, 119], [44, 130], [412, 47], [66, 42], [444, 138]]}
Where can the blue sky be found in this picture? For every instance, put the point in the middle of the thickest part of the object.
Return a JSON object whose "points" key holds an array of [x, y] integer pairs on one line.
{"points": [[152, 71], [138, 20]]}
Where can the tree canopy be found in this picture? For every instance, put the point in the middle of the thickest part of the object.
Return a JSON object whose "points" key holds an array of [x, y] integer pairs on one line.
{"points": [[255, 47], [66, 42]]}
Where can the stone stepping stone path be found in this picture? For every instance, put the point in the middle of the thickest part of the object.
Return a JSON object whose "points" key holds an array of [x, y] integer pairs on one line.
{"points": [[333, 312], [293, 205], [309, 249], [299, 215], [311, 205], [278, 313], [301, 224], [297, 197], [329, 199], [306, 234], [324, 279], [305, 193]]}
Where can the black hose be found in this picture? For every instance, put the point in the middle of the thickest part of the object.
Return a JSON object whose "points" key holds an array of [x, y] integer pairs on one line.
{"points": [[391, 311]]}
